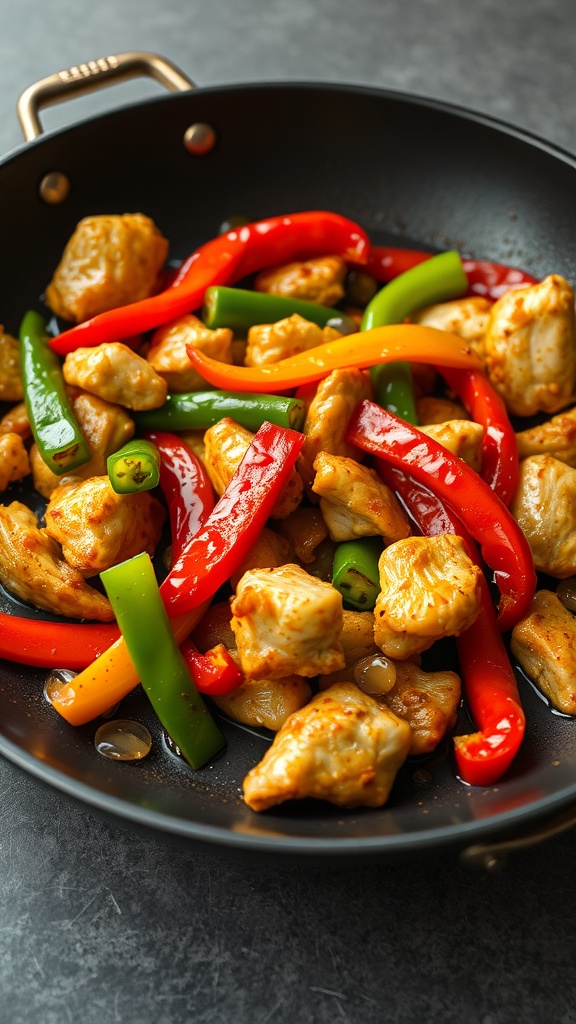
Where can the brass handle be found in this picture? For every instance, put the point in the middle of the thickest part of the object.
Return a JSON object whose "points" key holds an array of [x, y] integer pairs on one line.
{"points": [[95, 74], [492, 856]]}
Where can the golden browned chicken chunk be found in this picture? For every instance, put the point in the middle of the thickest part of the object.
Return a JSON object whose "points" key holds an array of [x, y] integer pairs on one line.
{"points": [[304, 530], [286, 622], [428, 701], [106, 428], [342, 747], [531, 347], [225, 445], [10, 376], [461, 437], [109, 261], [98, 528], [16, 421], [168, 355], [466, 317], [117, 374], [545, 509], [32, 568], [14, 461], [355, 502], [544, 643], [266, 703], [430, 588], [327, 419], [269, 551], [438, 410], [316, 280], [556, 437], [268, 343]]}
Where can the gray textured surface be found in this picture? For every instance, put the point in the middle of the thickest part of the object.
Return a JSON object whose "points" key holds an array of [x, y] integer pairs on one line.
{"points": [[99, 924]]}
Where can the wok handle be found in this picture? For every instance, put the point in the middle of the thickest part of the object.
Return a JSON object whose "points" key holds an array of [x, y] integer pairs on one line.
{"points": [[95, 74], [492, 856]]}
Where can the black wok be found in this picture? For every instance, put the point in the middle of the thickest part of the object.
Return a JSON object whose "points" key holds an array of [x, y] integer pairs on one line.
{"points": [[414, 170]]}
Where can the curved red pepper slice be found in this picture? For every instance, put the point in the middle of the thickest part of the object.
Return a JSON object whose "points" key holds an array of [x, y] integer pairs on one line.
{"points": [[485, 278], [224, 260], [504, 546], [45, 644], [185, 485]]}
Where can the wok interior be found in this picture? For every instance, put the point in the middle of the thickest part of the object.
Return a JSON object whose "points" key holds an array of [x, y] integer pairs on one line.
{"points": [[414, 172]]}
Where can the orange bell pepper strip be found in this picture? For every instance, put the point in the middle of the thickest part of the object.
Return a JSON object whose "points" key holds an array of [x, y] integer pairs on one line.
{"points": [[411, 342]]}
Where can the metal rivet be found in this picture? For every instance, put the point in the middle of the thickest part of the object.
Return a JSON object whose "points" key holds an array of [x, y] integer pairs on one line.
{"points": [[199, 138], [54, 188]]}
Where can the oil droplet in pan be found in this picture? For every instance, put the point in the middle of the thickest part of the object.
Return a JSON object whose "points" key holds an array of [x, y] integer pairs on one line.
{"points": [[123, 740]]}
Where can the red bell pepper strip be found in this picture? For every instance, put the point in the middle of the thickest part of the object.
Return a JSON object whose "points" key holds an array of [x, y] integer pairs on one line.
{"points": [[224, 260], [504, 546], [500, 463], [484, 278], [186, 487], [47, 644], [230, 531], [215, 673], [488, 678]]}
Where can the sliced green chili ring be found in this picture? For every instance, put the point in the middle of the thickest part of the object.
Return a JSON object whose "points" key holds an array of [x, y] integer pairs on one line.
{"points": [[355, 571], [240, 309], [437, 280], [198, 410], [135, 467], [133, 593], [60, 441]]}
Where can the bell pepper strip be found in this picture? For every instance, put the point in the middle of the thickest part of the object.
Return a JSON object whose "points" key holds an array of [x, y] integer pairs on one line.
{"points": [[411, 342], [46, 644], [133, 593], [57, 434], [355, 572], [215, 672], [230, 531], [240, 309], [489, 682], [134, 467], [504, 546], [500, 463], [484, 278], [223, 260], [198, 410], [186, 487]]}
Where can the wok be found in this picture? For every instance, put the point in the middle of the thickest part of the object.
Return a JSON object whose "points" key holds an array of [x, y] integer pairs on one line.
{"points": [[409, 169]]}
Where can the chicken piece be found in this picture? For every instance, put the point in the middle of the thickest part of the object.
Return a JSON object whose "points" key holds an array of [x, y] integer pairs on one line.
{"points": [[531, 347], [428, 701], [117, 374], [556, 437], [432, 410], [109, 261], [544, 644], [342, 747], [168, 355], [265, 703], [10, 376], [357, 639], [16, 421], [545, 509], [430, 588], [106, 428], [304, 530], [327, 419], [32, 568], [317, 280], [462, 438], [466, 317], [355, 502], [268, 343], [286, 622], [225, 445], [14, 461], [98, 528], [195, 441], [269, 551]]}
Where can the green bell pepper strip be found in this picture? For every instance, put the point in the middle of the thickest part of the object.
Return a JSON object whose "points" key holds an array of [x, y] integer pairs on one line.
{"points": [[438, 279], [133, 593], [198, 410], [355, 572], [60, 441], [134, 467], [240, 309]]}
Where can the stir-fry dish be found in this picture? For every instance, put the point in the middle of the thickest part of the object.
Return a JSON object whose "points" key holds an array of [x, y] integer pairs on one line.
{"points": [[277, 478]]}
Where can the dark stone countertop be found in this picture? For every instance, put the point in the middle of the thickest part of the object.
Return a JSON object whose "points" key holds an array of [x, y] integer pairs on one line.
{"points": [[98, 923]]}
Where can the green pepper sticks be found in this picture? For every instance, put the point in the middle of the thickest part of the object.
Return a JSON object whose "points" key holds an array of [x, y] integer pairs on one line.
{"points": [[240, 309], [355, 571], [198, 410]]}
